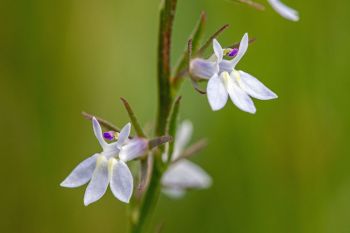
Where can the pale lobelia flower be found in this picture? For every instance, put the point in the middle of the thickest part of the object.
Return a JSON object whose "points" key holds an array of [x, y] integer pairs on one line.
{"points": [[108, 167], [225, 81], [183, 174], [284, 10]]}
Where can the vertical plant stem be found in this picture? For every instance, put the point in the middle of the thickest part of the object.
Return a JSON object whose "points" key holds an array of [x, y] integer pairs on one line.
{"points": [[145, 211], [167, 15], [149, 202]]}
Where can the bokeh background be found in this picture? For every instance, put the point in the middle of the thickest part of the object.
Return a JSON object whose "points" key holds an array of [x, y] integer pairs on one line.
{"points": [[285, 169]]}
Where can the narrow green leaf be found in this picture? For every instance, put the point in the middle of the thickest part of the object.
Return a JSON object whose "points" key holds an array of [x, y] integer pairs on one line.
{"points": [[196, 37], [199, 31], [210, 39], [133, 119], [172, 120], [172, 124]]}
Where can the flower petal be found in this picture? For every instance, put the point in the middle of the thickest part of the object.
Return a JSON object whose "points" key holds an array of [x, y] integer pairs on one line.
{"points": [[216, 92], [186, 175], [218, 50], [81, 173], [243, 46], [175, 193], [254, 87], [183, 136], [226, 65], [136, 147], [121, 180], [284, 10], [202, 68], [99, 182], [238, 96], [98, 132], [124, 134]]}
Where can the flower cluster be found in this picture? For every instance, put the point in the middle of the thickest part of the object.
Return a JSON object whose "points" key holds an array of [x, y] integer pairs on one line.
{"points": [[165, 160], [109, 166]]}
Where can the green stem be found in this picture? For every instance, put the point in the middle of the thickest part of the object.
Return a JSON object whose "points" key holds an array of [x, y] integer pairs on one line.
{"points": [[167, 15], [149, 202], [147, 206]]}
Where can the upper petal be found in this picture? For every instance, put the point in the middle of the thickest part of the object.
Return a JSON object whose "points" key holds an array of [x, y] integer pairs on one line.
{"points": [[185, 175], [202, 68], [243, 46], [284, 10], [98, 132], [216, 92], [136, 147], [218, 50], [183, 136], [239, 97], [99, 182], [121, 180], [81, 173], [254, 87], [124, 134]]}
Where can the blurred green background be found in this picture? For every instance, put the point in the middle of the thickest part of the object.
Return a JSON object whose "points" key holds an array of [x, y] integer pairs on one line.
{"points": [[286, 169]]}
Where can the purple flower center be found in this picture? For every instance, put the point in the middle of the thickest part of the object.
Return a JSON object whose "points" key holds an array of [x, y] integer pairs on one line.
{"points": [[233, 52], [109, 135]]}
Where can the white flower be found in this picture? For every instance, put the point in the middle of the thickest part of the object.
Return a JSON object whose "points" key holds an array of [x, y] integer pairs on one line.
{"points": [[284, 11], [183, 174], [226, 81], [108, 167]]}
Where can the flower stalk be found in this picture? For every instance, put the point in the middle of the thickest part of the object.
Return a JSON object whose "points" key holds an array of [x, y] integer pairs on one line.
{"points": [[145, 212], [167, 14]]}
